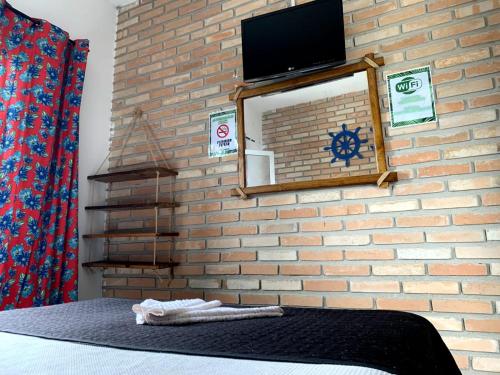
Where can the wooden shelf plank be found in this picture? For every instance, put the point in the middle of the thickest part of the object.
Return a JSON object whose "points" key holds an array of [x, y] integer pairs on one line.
{"points": [[132, 206], [128, 264], [130, 233], [132, 174]]}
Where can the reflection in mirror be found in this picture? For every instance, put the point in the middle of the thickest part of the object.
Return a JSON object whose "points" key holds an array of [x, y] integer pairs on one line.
{"points": [[316, 132]]}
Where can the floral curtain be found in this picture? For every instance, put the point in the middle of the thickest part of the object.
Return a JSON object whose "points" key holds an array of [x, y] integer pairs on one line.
{"points": [[41, 82]]}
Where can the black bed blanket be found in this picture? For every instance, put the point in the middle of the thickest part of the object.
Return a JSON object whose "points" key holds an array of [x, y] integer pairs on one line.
{"points": [[395, 342]]}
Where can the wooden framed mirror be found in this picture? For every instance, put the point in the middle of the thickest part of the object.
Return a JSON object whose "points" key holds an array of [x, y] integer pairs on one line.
{"points": [[317, 130]]}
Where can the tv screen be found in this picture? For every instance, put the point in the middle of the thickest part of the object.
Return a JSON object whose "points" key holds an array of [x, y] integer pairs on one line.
{"points": [[293, 40]]}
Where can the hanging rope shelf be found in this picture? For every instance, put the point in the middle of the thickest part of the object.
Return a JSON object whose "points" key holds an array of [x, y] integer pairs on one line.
{"points": [[134, 172]]}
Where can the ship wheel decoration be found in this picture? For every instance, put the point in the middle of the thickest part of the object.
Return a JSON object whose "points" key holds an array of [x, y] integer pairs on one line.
{"points": [[345, 145]]}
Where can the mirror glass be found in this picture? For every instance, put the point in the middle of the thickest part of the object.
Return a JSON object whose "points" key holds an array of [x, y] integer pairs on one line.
{"points": [[315, 132]]}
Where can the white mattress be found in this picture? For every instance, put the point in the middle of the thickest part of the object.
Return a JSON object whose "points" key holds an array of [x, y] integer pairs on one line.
{"points": [[32, 355]]}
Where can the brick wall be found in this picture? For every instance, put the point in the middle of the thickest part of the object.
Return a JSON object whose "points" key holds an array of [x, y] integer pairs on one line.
{"points": [[298, 135], [428, 244]]}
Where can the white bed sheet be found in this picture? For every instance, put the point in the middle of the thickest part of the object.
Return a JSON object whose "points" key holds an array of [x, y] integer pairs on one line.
{"points": [[21, 355]]}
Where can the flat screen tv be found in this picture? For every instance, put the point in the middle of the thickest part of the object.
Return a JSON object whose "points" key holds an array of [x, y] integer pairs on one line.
{"points": [[293, 40]]}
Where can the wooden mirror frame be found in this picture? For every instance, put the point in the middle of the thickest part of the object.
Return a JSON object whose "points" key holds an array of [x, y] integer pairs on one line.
{"points": [[369, 64]]}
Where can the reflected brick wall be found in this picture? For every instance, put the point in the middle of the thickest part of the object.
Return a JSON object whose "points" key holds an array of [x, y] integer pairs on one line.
{"points": [[297, 135]]}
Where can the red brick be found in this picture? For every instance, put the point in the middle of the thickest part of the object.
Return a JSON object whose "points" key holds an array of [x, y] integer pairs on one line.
{"points": [[321, 255], [277, 200], [204, 257], [422, 221], [292, 269], [365, 192], [398, 269], [491, 199], [259, 269], [462, 58], [206, 232], [404, 43], [325, 285], [375, 286], [222, 218], [427, 22], [398, 238], [479, 38], [278, 228], [483, 325], [188, 270], [491, 364], [128, 293], [141, 282], [452, 202], [187, 294], [259, 299], [421, 157], [483, 101], [346, 270], [481, 288], [458, 28], [402, 304], [457, 269], [161, 295], [382, 254], [369, 224], [439, 140], [205, 207], [351, 209], [239, 256], [374, 11], [298, 213], [450, 107], [470, 344], [441, 170], [300, 300], [482, 68], [474, 219], [240, 230], [419, 188], [301, 241], [320, 226], [223, 297], [462, 306], [435, 287], [222, 269], [487, 165], [258, 215], [455, 236], [349, 302], [397, 144]]}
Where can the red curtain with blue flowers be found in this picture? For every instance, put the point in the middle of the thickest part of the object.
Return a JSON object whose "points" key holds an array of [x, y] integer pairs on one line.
{"points": [[41, 82]]}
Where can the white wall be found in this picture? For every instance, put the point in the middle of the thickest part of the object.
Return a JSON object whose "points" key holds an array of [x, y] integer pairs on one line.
{"points": [[94, 20]]}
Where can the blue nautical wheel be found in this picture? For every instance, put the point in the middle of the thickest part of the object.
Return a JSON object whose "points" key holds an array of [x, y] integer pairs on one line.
{"points": [[345, 145]]}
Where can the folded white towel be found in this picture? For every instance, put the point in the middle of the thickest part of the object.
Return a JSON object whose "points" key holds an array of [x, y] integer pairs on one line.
{"points": [[196, 310], [151, 307]]}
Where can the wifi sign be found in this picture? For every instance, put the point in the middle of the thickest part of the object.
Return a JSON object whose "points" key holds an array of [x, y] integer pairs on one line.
{"points": [[408, 85]]}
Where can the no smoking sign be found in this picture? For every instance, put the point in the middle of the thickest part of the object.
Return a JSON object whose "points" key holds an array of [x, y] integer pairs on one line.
{"points": [[223, 139], [223, 131]]}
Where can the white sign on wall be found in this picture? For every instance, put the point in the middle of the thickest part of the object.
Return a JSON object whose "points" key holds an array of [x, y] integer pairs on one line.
{"points": [[223, 134], [411, 99]]}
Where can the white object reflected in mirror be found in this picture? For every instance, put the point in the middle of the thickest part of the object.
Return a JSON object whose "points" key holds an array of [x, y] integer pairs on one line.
{"points": [[262, 170]]}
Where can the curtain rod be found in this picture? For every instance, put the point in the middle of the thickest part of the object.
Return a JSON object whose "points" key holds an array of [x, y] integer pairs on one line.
{"points": [[35, 21]]}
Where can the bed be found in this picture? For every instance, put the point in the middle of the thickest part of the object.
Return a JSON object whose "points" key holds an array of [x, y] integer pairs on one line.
{"points": [[101, 337]]}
